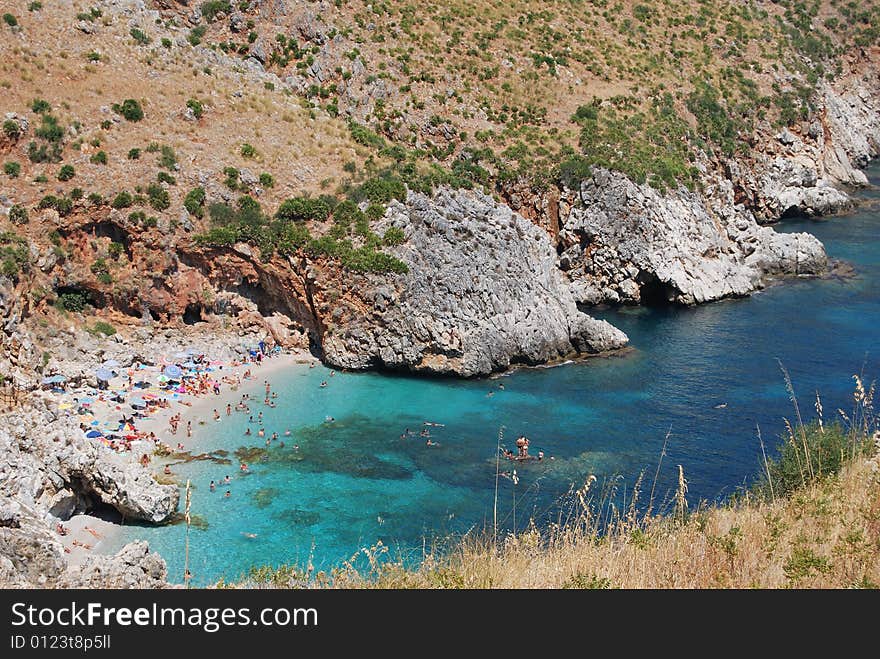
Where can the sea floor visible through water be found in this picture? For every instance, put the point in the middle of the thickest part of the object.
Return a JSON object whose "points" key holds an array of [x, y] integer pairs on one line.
{"points": [[701, 380]]}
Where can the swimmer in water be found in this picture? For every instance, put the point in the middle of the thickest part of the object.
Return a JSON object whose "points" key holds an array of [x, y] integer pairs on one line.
{"points": [[287, 433]]}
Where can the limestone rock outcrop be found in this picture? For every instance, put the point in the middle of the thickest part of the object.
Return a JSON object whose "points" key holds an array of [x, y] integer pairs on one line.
{"points": [[482, 293]]}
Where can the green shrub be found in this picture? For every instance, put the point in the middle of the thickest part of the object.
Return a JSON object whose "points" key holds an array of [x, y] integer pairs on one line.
{"points": [[100, 327], [158, 197], [12, 169], [248, 151], [75, 302], [166, 42], [301, 209], [267, 180], [93, 56], [66, 173], [165, 177], [816, 451], [60, 204], [136, 217], [18, 214], [211, 8], [49, 129], [115, 250], [381, 190], [99, 158], [130, 109], [197, 108], [167, 158], [393, 236], [139, 35], [41, 178], [122, 200], [195, 35], [11, 129], [35, 6], [134, 154], [96, 198], [194, 202], [40, 106], [572, 171], [151, 222], [76, 194], [10, 20]]}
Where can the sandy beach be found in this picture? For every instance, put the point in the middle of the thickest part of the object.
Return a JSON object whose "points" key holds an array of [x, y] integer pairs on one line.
{"points": [[90, 534]]}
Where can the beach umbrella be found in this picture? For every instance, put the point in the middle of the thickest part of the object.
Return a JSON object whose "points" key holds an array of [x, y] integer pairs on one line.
{"points": [[110, 363], [86, 400], [65, 406], [104, 374], [91, 434], [173, 371], [162, 378], [190, 364], [52, 379], [137, 402]]}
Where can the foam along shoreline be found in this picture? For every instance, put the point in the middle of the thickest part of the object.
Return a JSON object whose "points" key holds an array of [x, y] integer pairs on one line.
{"points": [[87, 534]]}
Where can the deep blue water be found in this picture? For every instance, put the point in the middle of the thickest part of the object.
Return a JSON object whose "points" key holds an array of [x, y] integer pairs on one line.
{"points": [[354, 482]]}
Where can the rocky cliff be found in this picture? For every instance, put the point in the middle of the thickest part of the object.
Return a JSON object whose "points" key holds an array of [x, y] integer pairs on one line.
{"points": [[482, 293], [626, 243], [621, 242], [48, 473]]}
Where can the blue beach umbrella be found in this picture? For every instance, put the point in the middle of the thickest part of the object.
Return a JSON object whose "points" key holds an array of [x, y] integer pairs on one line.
{"points": [[54, 378], [110, 363], [104, 374], [91, 434], [190, 364], [173, 371]]}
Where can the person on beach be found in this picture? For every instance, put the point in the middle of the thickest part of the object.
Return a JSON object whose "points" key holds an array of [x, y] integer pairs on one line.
{"points": [[247, 432], [167, 469], [179, 446], [228, 409], [212, 486], [260, 417], [287, 433], [216, 415], [332, 373], [324, 384], [261, 433], [274, 436], [251, 418], [243, 466], [189, 432], [227, 479], [228, 494], [268, 442], [268, 387]]}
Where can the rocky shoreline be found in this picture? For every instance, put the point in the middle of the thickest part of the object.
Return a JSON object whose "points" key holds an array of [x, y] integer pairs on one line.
{"points": [[51, 474]]}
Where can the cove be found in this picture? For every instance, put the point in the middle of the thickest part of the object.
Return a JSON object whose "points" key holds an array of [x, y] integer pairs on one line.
{"points": [[706, 376]]}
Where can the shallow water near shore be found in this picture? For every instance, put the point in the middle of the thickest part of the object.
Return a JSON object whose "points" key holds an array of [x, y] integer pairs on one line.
{"points": [[708, 376]]}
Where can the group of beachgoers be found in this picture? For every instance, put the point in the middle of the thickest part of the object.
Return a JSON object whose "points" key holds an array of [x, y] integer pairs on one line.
{"points": [[243, 406], [425, 432]]}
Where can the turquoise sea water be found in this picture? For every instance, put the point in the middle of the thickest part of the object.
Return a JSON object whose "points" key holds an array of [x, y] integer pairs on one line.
{"points": [[354, 481]]}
